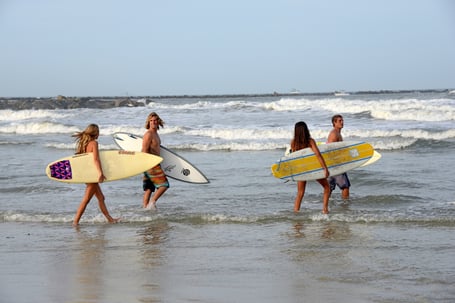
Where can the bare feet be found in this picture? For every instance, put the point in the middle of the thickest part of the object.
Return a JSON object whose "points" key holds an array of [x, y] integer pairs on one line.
{"points": [[151, 206], [114, 220]]}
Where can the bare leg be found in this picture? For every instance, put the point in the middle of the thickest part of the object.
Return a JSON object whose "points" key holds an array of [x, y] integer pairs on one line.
{"points": [[100, 196], [326, 196], [300, 193], [89, 192], [345, 193], [159, 192], [146, 198]]}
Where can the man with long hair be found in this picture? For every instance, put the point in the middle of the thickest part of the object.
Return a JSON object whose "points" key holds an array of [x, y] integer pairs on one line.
{"points": [[154, 179]]}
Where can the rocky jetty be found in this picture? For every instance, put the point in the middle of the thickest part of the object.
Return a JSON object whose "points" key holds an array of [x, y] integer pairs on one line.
{"points": [[61, 102]]}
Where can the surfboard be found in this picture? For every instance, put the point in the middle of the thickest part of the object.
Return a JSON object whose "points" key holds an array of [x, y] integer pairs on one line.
{"points": [[376, 155], [116, 164], [339, 157], [174, 165]]}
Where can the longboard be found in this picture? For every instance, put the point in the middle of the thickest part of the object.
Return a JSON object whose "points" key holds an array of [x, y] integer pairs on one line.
{"points": [[116, 165], [339, 157], [173, 165], [376, 155]]}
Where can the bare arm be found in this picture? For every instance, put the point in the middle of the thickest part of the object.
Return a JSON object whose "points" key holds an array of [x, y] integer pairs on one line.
{"points": [[146, 140], [316, 151]]}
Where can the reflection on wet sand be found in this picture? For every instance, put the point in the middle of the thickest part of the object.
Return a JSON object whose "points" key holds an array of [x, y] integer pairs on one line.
{"points": [[335, 231], [306, 237], [151, 240], [99, 262], [298, 228], [89, 265], [151, 236]]}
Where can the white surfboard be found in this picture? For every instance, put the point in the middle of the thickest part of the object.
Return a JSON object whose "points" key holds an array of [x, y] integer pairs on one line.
{"points": [[116, 164], [339, 157], [173, 165]]}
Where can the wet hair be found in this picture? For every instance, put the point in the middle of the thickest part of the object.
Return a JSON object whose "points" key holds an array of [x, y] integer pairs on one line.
{"points": [[335, 117], [90, 133], [301, 136], [150, 116]]}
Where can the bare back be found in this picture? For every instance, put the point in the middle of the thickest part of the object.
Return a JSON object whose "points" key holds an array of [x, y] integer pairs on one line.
{"points": [[91, 147]]}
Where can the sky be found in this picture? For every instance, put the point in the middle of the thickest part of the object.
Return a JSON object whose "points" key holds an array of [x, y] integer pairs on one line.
{"points": [[199, 47]]}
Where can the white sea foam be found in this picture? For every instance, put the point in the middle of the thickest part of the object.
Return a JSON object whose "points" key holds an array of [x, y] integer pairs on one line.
{"points": [[129, 216], [108, 130], [241, 134], [392, 144], [168, 105], [60, 145], [414, 110], [407, 109], [409, 133], [71, 146], [29, 217], [37, 128], [14, 115], [250, 123]]}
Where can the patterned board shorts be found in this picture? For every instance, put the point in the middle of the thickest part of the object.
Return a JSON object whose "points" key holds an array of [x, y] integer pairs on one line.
{"points": [[154, 178], [342, 181]]}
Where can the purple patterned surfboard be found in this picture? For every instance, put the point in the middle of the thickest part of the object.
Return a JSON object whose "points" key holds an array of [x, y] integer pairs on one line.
{"points": [[61, 170]]}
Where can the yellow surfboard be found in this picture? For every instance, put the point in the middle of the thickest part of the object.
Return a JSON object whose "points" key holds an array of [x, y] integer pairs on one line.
{"points": [[116, 164], [339, 157], [376, 155]]}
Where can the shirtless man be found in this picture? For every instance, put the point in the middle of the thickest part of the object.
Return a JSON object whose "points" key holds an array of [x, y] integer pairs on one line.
{"points": [[342, 181], [154, 178]]}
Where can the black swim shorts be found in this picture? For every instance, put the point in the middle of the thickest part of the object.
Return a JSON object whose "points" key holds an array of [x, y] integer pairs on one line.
{"points": [[147, 184]]}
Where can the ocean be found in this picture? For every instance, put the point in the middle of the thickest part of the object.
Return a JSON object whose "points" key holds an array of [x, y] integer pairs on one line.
{"points": [[235, 239]]}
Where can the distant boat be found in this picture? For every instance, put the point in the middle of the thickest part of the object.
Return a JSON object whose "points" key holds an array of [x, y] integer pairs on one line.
{"points": [[341, 93], [295, 91]]}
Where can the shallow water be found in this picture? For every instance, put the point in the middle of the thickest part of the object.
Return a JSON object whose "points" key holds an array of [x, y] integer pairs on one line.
{"points": [[235, 239]]}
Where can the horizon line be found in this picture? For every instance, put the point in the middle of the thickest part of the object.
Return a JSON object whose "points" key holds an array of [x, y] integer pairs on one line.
{"points": [[293, 93]]}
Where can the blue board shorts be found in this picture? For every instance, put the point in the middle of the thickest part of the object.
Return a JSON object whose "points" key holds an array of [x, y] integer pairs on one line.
{"points": [[342, 181]]}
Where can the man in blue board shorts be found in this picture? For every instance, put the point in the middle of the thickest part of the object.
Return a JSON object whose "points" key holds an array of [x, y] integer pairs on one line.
{"points": [[342, 181]]}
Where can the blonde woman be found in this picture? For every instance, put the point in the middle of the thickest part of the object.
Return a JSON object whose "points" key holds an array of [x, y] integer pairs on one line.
{"points": [[86, 143]]}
